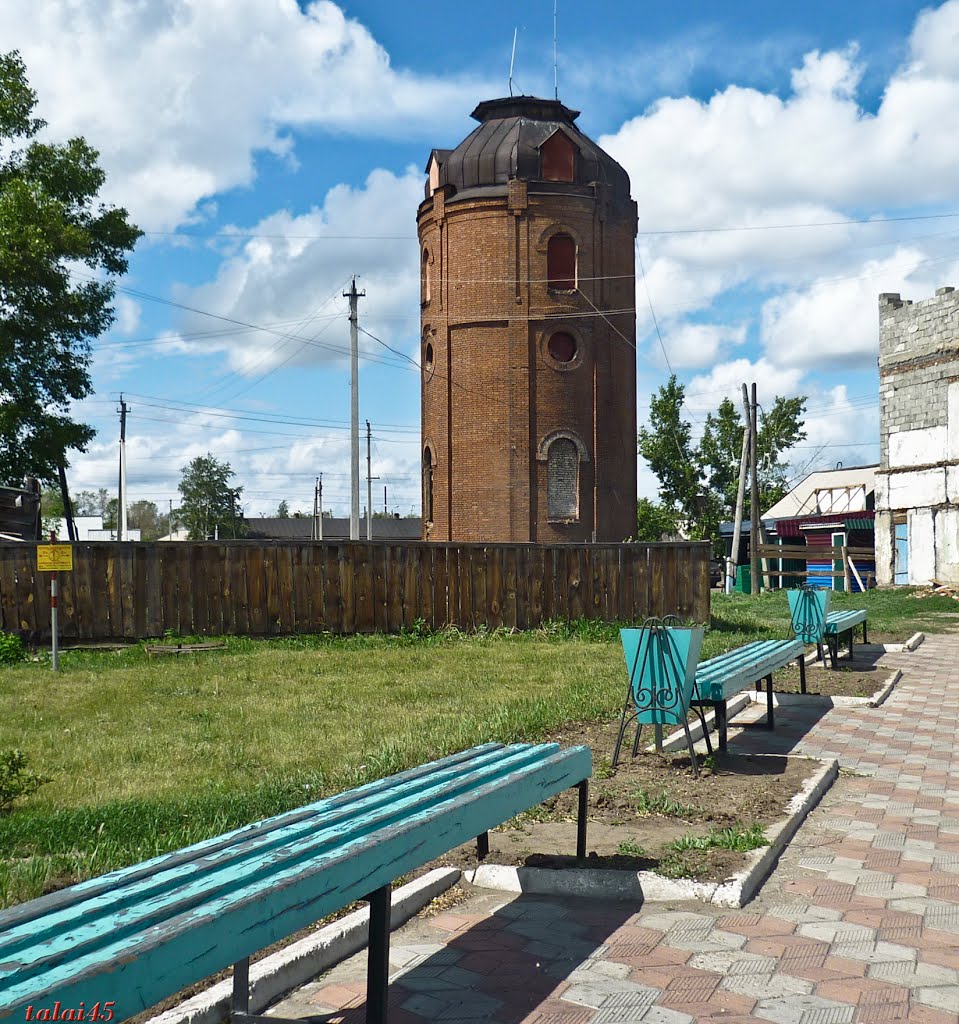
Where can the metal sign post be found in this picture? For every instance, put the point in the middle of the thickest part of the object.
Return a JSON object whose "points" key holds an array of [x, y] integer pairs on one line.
{"points": [[54, 559]]}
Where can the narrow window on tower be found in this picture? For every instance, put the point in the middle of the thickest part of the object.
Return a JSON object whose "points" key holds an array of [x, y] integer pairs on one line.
{"points": [[559, 158], [427, 485], [425, 278], [562, 481], [561, 263]]}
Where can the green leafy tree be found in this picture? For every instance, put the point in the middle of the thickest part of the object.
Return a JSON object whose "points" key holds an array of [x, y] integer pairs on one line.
{"points": [[90, 503], [211, 505], [699, 483], [147, 518], [51, 222], [721, 448], [283, 510], [666, 445], [654, 521], [51, 507], [779, 429]]}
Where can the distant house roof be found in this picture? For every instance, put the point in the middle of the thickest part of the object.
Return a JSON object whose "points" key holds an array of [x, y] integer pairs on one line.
{"points": [[333, 529], [829, 492]]}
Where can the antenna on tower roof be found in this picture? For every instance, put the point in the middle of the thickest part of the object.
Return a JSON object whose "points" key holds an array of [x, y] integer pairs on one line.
{"points": [[555, 72], [511, 62]]}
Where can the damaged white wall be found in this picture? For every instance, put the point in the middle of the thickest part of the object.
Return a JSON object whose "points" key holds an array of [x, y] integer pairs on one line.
{"points": [[918, 477]]}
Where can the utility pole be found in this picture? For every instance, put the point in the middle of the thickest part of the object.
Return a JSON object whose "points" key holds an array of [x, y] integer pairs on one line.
{"points": [[318, 508], [122, 497], [733, 560], [353, 295], [385, 509], [369, 485], [755, 584]]}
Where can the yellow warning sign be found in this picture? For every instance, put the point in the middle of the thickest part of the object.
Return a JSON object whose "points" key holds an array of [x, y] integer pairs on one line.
{"points": [[55, 557]]}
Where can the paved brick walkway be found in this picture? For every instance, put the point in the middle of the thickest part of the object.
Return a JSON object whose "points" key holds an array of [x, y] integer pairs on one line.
{"points": [[858, 923]]}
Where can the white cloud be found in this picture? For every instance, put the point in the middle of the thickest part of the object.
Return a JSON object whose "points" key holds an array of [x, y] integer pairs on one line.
{"points": [[179, 95], [293, 276], [751, 159], [706, 391], [693, 345]]}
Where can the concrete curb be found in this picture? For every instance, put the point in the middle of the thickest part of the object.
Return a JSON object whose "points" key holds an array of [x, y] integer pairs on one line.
{"points": [[647, 886], [880, 696], [294, 965], [914, 641], [839, 701]]}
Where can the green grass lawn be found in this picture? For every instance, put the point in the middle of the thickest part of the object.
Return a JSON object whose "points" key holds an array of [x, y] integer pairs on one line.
{"points": [[149, 754]]}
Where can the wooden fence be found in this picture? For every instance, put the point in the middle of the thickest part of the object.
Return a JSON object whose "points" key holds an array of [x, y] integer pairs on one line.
{"points": [[848, 563], [132, 590]]}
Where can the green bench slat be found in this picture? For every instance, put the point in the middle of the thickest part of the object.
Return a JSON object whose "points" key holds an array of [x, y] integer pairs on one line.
{"points": [[149, 868], [839, 622], [140, 953], [336, 820], [728, 673]]}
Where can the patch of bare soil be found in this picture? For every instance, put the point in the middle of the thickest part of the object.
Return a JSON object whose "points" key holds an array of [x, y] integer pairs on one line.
{"points": [[642, 810], [861, 677]]}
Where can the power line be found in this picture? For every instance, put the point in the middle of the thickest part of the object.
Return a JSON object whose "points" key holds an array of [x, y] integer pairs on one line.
{"points": [[704, 229]]}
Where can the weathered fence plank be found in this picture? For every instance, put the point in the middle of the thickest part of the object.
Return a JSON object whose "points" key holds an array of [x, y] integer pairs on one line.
{"points": [[134, 590]]}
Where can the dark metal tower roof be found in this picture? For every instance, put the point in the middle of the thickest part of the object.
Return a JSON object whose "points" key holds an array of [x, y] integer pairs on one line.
{"points": [[507, 145]]}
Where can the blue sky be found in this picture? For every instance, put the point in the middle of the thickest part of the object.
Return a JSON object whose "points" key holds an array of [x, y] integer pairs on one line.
{"points": [[790, 162]]}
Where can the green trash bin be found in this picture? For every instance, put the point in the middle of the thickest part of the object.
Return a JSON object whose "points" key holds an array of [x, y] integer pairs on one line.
{"points": [[743, 579]]}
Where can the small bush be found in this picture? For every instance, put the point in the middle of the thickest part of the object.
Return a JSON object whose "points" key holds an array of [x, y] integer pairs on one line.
{"points": [[11, 649], [16, 778]]}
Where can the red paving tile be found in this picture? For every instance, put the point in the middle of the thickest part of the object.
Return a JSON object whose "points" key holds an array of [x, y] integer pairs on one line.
{"points": [[862, 990]]}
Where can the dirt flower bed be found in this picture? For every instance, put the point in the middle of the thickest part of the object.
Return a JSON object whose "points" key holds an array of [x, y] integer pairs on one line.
{"points": [[652, 813], [861, 677]]}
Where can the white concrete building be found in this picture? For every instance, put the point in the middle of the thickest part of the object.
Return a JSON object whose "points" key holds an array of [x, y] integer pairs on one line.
{"points": [[917, 485]]}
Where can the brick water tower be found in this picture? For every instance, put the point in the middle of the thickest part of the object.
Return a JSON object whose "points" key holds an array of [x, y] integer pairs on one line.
{"points": [[527, 237]]}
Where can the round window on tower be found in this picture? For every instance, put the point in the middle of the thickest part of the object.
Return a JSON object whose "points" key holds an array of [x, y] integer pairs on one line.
{"points": [[561, 348]]}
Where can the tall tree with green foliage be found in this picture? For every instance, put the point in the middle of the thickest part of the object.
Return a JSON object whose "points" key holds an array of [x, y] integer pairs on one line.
{"points": [[144, 516], [51, 222], [211, 505], [667, 447], [699, 483]]}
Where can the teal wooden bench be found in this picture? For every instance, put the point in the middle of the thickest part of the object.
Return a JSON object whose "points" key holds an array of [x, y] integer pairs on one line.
{"points": [[136, 936], [722, 677], [838, 623], [814, 623]]}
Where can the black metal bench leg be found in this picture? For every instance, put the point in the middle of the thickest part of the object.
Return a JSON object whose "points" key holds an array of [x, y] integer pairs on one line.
{"points": [[719, 709], [378, 962], [802, 673], [770, 713], [583, 788], [482, 846], [865, 638], [240, 1003]]}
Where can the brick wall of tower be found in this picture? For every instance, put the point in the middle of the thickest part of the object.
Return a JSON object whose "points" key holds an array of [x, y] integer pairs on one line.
{"points": [[493, 393]]}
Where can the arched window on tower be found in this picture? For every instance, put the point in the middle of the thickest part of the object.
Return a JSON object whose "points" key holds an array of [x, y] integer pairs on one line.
{"points": [[425, 278], [561, 263], [427, 484], [559, 158], [562, 481]]}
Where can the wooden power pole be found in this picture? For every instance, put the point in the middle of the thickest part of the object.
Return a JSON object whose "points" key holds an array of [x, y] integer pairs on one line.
{"points": [[755, 584]]}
